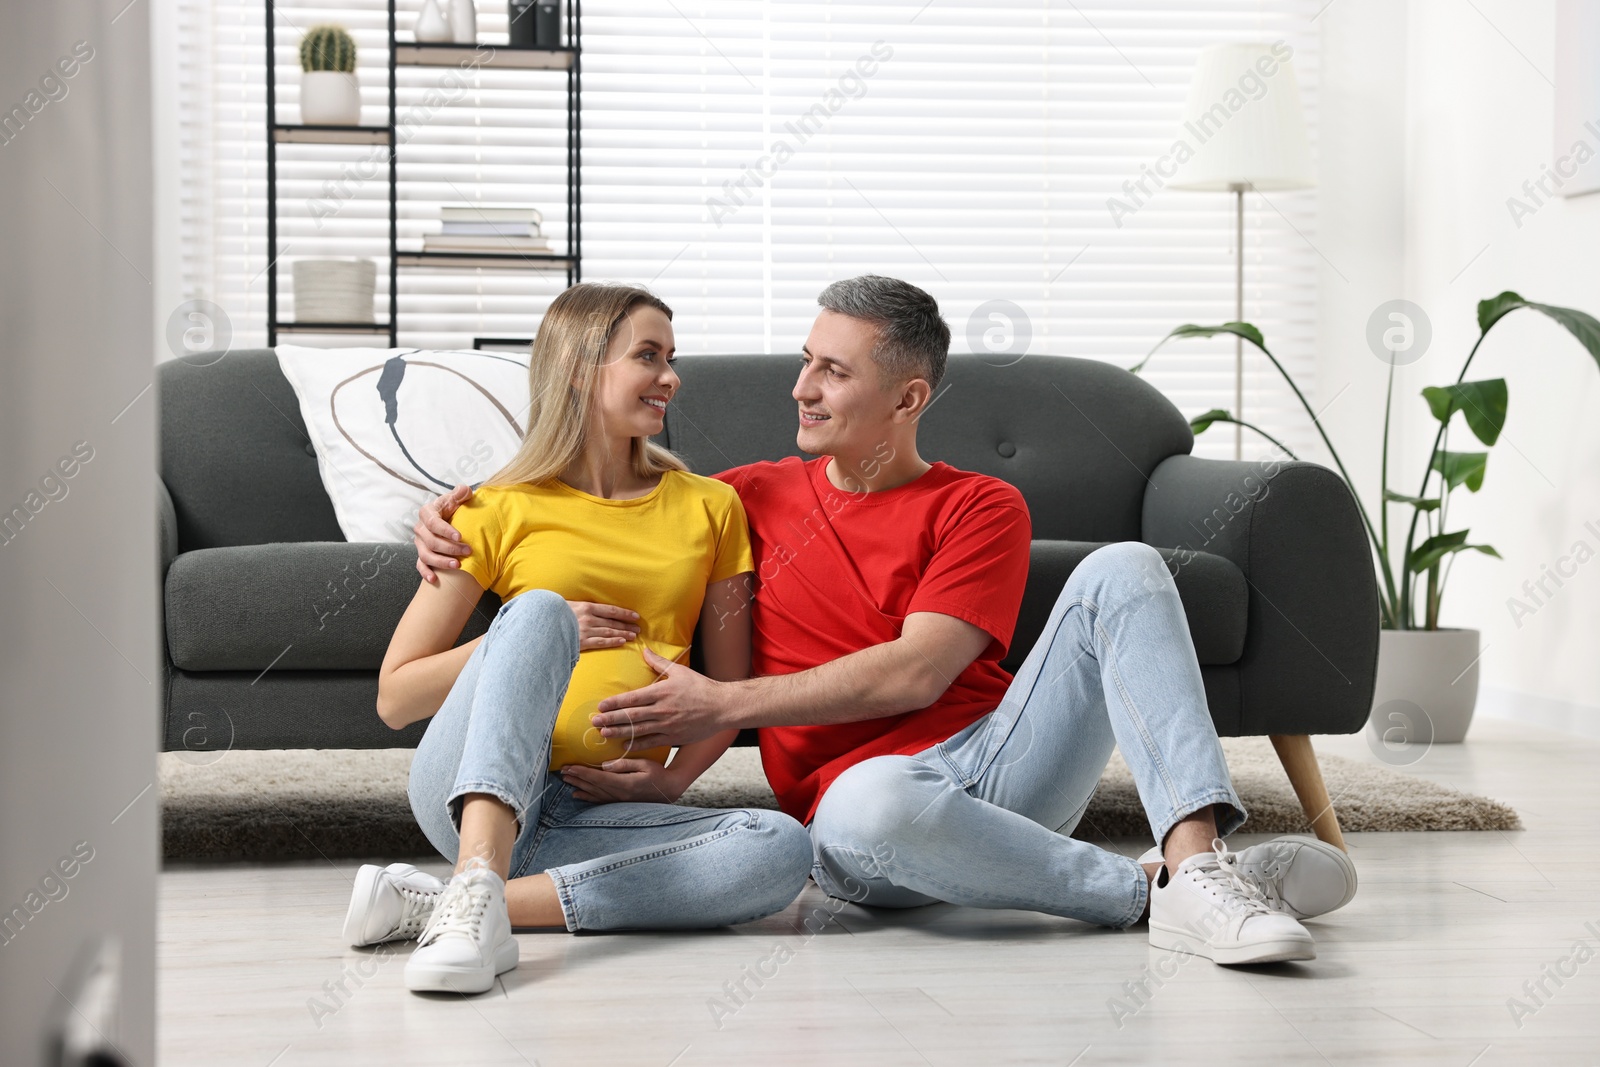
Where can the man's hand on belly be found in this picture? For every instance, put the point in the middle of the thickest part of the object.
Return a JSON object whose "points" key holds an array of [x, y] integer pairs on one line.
{"points": [[680, 708]]}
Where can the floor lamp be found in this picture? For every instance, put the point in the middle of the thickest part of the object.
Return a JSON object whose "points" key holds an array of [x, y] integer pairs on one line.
{"points": [[1244, 129]]}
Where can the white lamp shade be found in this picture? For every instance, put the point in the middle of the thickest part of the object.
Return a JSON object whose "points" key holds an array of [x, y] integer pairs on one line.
{"points": [[1243, 122]]}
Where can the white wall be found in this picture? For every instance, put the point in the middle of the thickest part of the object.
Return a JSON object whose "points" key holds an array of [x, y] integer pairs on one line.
{"points": [[1436, 112], [1479, 123], [1361, 225]]}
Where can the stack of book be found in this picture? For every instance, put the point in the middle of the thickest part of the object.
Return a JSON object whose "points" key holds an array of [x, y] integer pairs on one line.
{"points": [[487, 228]]}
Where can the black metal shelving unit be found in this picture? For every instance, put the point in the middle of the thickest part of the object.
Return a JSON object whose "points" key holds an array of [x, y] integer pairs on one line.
{"points": [[419, 54]]}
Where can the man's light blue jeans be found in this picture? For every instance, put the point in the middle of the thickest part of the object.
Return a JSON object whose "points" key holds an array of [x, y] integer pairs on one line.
{"points": [[615, 866], [982, 818]]}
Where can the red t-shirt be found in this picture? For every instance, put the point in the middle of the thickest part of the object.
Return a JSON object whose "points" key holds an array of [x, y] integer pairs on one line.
{"points": [[838, 572]]}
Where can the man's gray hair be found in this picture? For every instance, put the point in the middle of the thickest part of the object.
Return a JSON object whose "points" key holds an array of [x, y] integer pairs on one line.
{"points": [[913, 341]]}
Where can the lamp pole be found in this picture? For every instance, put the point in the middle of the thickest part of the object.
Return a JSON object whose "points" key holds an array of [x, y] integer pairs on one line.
{"points": [[1263, 146]]}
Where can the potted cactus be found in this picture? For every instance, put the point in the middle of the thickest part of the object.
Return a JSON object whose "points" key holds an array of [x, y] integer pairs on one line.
{"points": [[329, 94]]}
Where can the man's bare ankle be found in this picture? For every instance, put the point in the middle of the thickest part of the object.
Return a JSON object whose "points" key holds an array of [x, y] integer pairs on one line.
{"points": [[1192, 835], [1151, 870]]}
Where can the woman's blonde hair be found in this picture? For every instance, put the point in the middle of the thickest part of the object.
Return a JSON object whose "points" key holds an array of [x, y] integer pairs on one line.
{"points": [[564, 365]]}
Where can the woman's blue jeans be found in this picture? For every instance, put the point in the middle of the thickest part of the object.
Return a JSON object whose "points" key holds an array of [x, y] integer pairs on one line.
{"points": [[615, 866], [982, 818]]}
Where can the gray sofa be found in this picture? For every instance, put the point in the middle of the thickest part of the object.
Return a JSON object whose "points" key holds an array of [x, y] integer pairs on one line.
{"points": [[275, 626]]}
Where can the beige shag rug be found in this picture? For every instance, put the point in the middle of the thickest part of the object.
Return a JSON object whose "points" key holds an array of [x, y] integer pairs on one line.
{"points": [[305, 803]]}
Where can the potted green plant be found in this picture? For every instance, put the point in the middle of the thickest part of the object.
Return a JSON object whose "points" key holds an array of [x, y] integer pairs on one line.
{"points": [[1418, 661], [329, 93]]}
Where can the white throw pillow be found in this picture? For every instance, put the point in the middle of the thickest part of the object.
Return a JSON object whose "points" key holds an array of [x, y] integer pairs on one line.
{"points": [[395, 427]]}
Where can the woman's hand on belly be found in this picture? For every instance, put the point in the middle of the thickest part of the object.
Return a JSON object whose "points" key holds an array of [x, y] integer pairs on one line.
{"points": [[638, 780], [603, 625]]}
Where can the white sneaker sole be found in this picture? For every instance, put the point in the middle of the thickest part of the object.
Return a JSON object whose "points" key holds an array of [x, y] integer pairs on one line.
{"points": [[1335, 857], [361, 896], [1235, 954], [432, 978]]}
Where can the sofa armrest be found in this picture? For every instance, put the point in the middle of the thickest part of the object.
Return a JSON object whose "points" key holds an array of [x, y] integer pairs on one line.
{"points": [[166, 529], [1310, 656]]}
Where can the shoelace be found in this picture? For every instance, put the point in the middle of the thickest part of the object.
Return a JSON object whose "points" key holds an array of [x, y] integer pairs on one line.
{"points": [[419, 908], [1233, 885], [1268, 882], [459, 911]]}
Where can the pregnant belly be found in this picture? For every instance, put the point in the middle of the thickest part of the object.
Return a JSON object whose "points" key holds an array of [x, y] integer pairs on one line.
{"points": [[601, 673]]}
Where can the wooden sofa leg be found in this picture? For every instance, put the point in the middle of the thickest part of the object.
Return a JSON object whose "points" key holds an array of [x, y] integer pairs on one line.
{"points": [[1300, 764]]}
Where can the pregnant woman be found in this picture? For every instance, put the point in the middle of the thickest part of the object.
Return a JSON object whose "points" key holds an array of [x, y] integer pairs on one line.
{"points": [[606, 552]]}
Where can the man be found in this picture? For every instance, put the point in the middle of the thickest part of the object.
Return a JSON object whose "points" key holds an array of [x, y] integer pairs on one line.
{"points": [[888, 591]]}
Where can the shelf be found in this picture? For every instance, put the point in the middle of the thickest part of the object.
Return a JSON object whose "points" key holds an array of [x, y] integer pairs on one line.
{"points": [[331, 327], [480, 343], [485, 260], [483, 54], [332, 134], [507, 258]]}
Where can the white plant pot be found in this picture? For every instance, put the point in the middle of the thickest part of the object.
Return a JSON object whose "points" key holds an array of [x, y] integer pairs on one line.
{"points": [[1427, 686], [329, 98], [464, 21], [433, 25]]}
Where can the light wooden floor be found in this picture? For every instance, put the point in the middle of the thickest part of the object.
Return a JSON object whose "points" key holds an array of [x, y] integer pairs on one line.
{"points": [[1418, 969]]}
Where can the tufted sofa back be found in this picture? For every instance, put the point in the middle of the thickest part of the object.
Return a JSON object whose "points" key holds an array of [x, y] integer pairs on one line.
{"points": [[1077, 436]]}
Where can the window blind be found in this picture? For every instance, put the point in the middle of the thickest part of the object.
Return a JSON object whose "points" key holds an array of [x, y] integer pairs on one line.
{"points": [[738, 156]]}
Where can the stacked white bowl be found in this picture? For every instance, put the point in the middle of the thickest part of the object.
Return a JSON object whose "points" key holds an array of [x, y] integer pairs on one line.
{"points": [[334, 290]]}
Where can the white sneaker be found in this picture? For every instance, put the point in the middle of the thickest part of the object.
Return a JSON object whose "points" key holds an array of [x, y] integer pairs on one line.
{"points": [[1208, 908], [390, 903], [468, 941], [1299, 876]]}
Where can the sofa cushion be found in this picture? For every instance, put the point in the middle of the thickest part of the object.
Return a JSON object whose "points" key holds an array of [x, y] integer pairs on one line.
{"points": [[310, 605], [321, 605], [1211, 588]]}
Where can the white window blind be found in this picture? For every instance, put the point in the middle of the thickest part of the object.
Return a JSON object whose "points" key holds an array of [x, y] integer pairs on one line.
{"points": [[738, 156]]}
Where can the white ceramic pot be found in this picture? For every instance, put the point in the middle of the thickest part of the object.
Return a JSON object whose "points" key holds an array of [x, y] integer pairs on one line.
{"points": [[433, 25], [329, 98], [464, 21], [1427, 686]]}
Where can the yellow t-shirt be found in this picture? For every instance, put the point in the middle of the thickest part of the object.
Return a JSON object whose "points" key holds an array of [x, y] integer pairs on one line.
{"points": [[654, 554]]}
